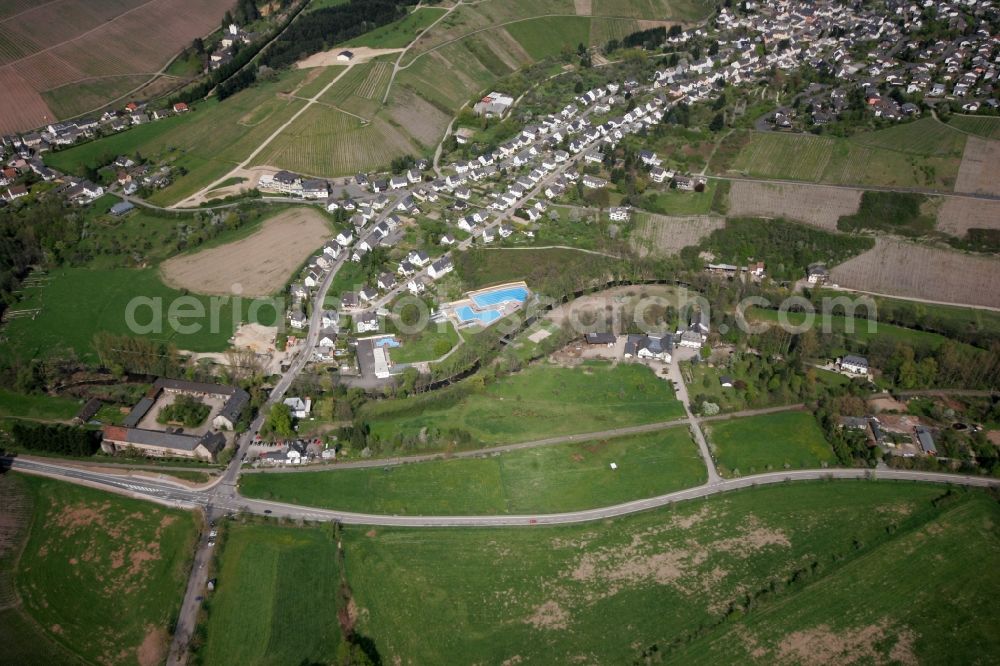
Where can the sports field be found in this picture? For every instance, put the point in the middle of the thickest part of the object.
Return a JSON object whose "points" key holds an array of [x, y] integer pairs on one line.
{"points": [[541, 401], [100, 574], [548, 479], [276, 598], [787, 440], [652, 583], [261, 264]]}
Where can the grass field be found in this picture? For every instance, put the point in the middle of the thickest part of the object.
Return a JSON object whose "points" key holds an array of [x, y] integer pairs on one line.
{"points": [[920, 154], [549, 36], [37, 407], [678, 202], [603, 593], [984, 126], [76, 303], [399, 33], [101, 574], [545, 271], [772, 441], [85, 96], [541, 401], [861, 332], [827, 623], [433, 342], [548, 479], [276, 597], [207, 142]]}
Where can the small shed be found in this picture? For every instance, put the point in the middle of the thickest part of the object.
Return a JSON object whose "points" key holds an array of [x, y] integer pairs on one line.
{"points": [[121, 208]]}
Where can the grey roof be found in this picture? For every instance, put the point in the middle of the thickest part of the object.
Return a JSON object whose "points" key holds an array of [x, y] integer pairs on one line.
{"points": [[854, 359], [235, 405], [926, 440], [167, 440], [601, 338], [140, 409]]}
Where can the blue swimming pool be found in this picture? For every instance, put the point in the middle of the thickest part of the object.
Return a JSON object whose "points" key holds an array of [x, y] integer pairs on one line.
{"points": [[489, 298], [387, 342], [465, 313]]}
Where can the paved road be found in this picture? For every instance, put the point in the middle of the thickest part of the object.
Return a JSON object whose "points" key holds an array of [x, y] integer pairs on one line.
{"points": [[192, 498]]}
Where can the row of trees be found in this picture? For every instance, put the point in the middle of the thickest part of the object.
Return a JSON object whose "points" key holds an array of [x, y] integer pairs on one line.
{"points": [[62, 439], [330, 26]]}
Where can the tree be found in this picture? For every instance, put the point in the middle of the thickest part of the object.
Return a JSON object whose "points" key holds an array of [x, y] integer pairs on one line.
{"points": [[279, 420], [718, 122]]}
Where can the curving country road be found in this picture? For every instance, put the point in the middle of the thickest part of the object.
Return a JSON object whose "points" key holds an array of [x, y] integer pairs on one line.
{"points": [[174, 496]]}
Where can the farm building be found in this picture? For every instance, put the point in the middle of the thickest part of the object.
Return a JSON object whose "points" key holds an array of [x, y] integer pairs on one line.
{"points": [[493, 105], [141, 429]]}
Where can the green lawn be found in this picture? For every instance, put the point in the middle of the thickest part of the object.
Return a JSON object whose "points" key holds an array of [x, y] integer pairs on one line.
{"points": [[773, 441], [399, 33], [433, 342], [37, 407], [602, 593], [101, 574], [548, 479], [276, 599], [541, 401], [678, 202], [551, 272]]}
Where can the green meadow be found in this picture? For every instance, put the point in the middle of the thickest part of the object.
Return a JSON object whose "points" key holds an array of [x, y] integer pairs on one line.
{"points": [[541, 401], [772, 441], [546, 479], [100, 576], [677, 585]]}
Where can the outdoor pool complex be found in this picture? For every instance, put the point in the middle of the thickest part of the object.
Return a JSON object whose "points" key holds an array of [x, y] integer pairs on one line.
{"points": [[488, 299], [486, 306]]}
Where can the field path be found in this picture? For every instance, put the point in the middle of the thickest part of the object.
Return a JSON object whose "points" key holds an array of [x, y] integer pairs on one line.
{"points": [[199, 196]]}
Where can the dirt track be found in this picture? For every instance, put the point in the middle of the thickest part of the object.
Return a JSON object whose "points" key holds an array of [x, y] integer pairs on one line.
{"points": [[328, 58], [260, 263]]}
